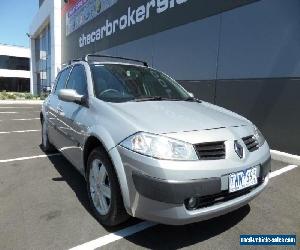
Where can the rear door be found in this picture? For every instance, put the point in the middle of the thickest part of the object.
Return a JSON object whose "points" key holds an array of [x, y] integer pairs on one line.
{"points": [[55, 132], [50, 112]]}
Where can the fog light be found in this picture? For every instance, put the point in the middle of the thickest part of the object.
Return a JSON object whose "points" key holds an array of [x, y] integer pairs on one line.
{"points": [[192, 203]]}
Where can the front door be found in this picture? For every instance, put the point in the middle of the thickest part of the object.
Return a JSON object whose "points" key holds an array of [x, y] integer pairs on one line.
{"points": [[74, 118]]}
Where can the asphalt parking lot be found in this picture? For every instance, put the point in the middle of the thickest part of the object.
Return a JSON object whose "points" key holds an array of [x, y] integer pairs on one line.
{"points": [[43, 203]]}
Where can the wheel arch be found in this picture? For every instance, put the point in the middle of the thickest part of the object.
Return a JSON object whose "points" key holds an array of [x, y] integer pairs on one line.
{"points": [[94, 141], [91, 143]]}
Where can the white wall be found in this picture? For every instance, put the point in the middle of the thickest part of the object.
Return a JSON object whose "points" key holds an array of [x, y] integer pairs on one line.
{"points": [[10, 50], [14, 73]]}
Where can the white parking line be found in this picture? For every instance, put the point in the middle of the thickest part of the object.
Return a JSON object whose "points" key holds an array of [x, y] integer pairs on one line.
{"points": [[104, 240], [26, 119], [9, 112], [15, 107], [19, 131], [28, 158], [21, 119], [21, 102]]}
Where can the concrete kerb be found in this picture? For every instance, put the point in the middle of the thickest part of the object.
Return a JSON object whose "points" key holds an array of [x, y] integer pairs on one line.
{"points": [[285, 157]]}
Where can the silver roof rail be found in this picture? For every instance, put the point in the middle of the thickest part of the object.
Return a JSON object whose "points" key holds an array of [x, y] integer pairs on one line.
{"points": [[88, 56]]}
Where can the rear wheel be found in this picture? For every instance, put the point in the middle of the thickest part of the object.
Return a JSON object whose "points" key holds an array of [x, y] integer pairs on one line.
{"points": [[104, 190], [46, 145]]}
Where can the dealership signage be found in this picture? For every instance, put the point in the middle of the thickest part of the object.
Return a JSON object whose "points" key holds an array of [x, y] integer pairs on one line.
{"points": [[92, 26], [132, 17], [84, 11]]}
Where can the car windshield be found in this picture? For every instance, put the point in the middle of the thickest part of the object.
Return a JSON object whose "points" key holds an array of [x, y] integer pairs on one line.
{"points": [[122, 83]]}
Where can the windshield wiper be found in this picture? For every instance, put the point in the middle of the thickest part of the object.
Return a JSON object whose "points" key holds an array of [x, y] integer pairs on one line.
{"points": [[159, 98], [149, 98], [191, 99]]}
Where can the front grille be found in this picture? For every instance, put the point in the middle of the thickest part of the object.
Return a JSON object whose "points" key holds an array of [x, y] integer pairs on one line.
{"points": [[251, 143], [210, 150]]}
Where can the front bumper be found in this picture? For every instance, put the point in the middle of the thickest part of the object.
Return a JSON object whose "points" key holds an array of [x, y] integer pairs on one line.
{"points": [[177, 192], [175, 214], [158, 189]]}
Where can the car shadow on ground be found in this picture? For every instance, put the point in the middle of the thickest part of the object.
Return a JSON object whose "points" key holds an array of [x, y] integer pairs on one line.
{"points": [[159, 236], [76, 181], [175, 237]]}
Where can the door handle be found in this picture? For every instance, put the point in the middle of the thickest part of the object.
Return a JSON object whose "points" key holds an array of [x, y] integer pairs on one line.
{"points": [[60, 110]]}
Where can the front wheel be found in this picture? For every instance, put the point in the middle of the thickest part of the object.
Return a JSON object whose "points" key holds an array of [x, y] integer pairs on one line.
{"points": [[104, 190]]}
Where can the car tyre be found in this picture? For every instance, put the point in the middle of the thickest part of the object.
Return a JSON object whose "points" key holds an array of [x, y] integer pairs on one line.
{"points": [[104, 189], [46, 145]]}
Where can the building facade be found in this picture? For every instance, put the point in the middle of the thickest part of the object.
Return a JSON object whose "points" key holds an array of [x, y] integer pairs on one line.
{"points": [[14, 68], [45, 43], [242, 55]]}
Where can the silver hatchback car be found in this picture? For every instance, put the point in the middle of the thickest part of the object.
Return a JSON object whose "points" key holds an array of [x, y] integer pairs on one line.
{"points": [[148, 148]]}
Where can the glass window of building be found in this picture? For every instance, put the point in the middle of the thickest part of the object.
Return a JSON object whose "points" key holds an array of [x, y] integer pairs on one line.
{"points": [[43, 59], [14, 63]]}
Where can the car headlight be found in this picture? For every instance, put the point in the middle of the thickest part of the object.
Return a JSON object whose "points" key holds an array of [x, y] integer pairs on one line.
{"points": [[259, 136], [160, 147]]}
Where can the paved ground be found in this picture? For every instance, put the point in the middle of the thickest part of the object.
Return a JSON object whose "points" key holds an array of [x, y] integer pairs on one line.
{"points": [[43, 204]]}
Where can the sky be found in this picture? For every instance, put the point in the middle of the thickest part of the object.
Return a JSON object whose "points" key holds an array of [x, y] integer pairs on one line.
{"points": [[15, 19]]}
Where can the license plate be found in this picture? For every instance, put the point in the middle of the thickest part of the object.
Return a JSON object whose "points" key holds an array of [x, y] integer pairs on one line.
{"points": [[242, 179]]}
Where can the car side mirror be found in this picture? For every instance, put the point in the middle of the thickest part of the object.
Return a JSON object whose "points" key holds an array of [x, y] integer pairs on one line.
{"points": [[191, 94], [70, 95]]}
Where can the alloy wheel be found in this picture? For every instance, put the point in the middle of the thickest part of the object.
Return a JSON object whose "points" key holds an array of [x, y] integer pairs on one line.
{"points": [[100, 187]]}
